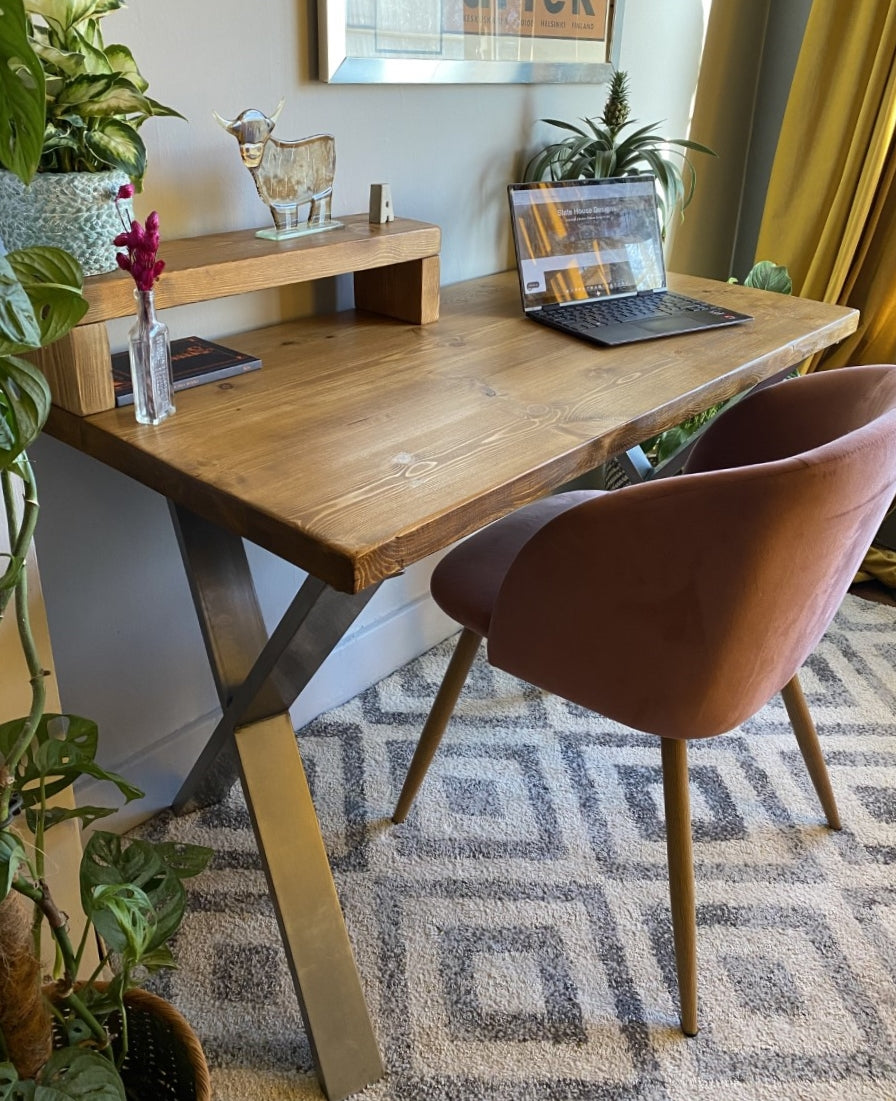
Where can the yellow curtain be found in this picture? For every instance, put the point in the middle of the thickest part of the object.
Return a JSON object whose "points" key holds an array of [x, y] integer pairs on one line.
{"points": [[830, 211], [724, 105]]}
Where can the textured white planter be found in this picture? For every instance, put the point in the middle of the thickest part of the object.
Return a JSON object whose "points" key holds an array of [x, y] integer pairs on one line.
{"points": [[71, 210]]}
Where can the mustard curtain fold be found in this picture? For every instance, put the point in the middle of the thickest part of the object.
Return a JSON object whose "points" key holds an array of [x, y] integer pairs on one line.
{"points": [[830, 210], [827, 199]]}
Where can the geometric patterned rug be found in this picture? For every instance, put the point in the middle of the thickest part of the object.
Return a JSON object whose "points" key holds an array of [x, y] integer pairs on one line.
{"points": [[513, 934]]}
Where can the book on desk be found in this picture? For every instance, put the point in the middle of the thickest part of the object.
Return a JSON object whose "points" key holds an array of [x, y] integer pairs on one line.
{"points": [[194, 361]]}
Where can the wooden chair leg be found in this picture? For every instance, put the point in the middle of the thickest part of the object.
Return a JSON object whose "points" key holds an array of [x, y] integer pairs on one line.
{"points": [[679, 846], [442, 707], [810, 747]]}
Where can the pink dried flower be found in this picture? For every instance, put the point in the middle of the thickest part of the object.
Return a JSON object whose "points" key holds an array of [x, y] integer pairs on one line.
{"points": [[142, 245]]}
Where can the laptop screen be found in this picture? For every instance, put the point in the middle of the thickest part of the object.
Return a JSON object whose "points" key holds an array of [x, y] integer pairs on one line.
{"points": [[582, 239]]}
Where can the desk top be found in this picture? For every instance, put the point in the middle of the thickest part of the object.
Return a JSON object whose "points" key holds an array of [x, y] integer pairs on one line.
{"points": [[365, 444]]}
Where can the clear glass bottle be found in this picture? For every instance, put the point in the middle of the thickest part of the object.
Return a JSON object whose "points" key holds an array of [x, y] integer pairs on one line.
{"points": [[150, 355]]}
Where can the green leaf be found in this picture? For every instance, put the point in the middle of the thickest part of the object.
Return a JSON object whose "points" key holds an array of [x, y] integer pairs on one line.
{"points": [[119, 98], [64, 749], [9, 1081], [159, 110], [89, 44], [118, 145], [57, 64], [22, 103], [19, 327], [122, 61], [182, 859], [86, 815], [123, 916], [156, 869], [158, 958], [12, 858], [25, 404], [52, 280], [77, 1074], [83, 90], [769, 276], [74, 738], [66, 14]]}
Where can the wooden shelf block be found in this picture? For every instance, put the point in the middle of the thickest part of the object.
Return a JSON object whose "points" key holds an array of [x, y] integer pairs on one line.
{"points": [[408, 291], [78, 368]]}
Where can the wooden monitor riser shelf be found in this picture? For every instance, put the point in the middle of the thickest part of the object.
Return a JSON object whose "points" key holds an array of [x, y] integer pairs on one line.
{"points": [[395, 267]]}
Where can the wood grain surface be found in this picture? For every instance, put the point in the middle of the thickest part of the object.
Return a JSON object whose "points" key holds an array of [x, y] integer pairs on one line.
{"points": [[199, 269], [364, 444]]}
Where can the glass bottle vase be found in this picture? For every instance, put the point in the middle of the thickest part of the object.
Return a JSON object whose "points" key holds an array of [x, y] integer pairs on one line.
{"points": [[150, 354]]}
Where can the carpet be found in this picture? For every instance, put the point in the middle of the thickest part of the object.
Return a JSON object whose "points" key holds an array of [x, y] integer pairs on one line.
{"points": [[513, 934]]}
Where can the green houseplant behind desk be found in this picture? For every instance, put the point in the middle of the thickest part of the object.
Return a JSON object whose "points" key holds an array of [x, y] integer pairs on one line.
{"points": [[364, 445]]}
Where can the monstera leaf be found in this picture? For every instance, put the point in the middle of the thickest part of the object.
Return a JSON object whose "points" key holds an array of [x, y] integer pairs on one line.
{"points": [[40, 300], [71, 1074], [51, 278]]}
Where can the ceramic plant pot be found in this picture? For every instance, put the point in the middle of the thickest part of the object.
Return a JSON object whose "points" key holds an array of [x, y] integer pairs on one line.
{"points": [[74, 211]]}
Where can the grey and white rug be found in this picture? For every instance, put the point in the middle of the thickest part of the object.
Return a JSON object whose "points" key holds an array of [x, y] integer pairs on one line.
{"points": [[513, 935]]}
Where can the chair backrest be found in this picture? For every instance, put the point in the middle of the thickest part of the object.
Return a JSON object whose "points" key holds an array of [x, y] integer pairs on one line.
{"points": [[680, 606]]}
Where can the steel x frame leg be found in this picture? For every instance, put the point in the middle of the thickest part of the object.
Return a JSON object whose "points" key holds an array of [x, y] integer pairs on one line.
{"points": [[257, 679]]}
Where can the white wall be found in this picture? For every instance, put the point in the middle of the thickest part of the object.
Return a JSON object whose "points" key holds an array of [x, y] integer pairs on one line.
{"points": [[128, 651]]}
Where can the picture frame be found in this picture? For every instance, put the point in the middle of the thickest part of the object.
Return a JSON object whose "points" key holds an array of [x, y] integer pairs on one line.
{"points": [[468, 41]]}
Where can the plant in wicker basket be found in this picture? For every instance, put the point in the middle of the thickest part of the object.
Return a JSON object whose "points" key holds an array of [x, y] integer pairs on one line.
{"points": [[96, 95], [64, 1038], [96, 102]]}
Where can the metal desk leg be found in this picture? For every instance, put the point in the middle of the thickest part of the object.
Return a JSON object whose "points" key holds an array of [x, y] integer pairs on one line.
{"points": [[257, 679], [255, 676]]}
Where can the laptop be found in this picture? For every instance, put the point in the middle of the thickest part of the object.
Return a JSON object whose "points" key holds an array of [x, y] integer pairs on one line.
{"points": [[590, 262]]}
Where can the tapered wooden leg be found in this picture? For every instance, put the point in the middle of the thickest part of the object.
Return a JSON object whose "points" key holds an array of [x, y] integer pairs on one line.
{"points": [[442, 708], [810, 747], [679, 847]]}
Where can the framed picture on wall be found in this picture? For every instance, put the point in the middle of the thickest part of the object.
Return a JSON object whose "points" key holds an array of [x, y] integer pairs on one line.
{"points": [[468, 41]]}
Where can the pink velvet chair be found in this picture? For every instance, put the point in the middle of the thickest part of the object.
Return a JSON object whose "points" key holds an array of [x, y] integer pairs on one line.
{"points": [[679, 607]]}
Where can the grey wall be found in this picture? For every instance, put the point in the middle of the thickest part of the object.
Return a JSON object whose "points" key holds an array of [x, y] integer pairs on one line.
{"points": [[127, 648], [784, 35]]}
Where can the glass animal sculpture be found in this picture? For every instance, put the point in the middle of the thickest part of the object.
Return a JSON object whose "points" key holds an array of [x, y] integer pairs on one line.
{"points": [[288, 175]]}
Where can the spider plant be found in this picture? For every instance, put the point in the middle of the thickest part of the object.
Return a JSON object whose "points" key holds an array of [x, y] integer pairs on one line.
{"points": [[614, 145]]}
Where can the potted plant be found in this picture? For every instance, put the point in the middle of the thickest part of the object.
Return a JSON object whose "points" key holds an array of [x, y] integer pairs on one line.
{"points": [[68, 1037], [96, 102], [613, 145]]}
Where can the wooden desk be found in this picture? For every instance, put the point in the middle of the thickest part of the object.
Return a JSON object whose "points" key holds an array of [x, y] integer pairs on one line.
{"points": [[363, 445]]}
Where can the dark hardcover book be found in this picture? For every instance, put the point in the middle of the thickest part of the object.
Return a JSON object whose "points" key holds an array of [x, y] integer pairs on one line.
{"points": [[194, 361]]}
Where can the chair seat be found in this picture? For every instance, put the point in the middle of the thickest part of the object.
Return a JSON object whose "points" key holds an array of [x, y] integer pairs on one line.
{"points": [[465, 583]]}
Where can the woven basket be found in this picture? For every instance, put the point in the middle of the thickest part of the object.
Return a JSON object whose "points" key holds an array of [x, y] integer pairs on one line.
{"points": [[74, 211], [165, 1060]]}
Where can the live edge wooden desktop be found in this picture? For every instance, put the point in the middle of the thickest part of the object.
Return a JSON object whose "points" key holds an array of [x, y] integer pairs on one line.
{"points": [[370, 439]]}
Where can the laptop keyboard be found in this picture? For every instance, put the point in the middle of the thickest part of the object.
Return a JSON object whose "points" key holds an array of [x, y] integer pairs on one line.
{"points": [[611, 311]]}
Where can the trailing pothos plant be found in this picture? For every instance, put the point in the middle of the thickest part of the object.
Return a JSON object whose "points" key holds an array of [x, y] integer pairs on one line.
{"points": [[614, 145], [131, 893]]}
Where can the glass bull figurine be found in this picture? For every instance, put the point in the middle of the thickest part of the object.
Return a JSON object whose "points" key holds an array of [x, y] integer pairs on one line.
{"points": [[289, 175]]}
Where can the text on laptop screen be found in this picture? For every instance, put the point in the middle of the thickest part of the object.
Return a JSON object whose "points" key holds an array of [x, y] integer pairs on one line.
{"points": [[587, 239]]}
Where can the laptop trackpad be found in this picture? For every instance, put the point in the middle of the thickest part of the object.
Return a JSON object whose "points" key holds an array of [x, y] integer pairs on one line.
{"points": [[696, 319]]}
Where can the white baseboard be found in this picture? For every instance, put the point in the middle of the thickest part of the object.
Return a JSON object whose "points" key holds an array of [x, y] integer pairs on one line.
{"points": [[361, 659]]}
